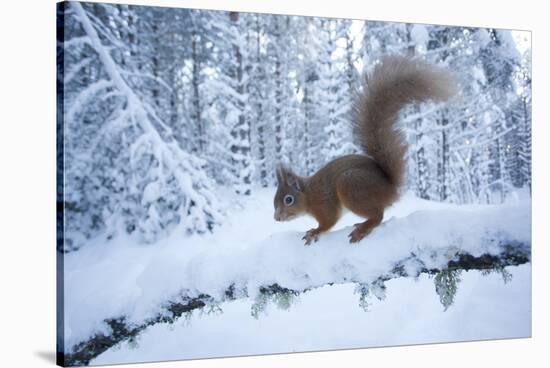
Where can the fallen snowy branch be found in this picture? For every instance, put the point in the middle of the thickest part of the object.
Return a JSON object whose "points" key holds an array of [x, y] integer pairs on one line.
{"points": [[433, 242], [158, 285], [121, 330]]}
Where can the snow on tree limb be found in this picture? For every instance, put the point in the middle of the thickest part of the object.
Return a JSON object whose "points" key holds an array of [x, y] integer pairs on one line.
{"points": [[122, 330], [436, 242], [84, 97]]}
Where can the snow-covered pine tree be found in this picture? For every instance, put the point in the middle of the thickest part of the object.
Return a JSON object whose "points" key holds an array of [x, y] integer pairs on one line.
{"points": [[309, 132], [124, 170], [500, 59], [334, 96], [523, 116], [282, 117], [258, 94], [230, 84]]}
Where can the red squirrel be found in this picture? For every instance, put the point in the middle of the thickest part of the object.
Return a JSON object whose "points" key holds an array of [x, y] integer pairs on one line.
{"points": [[366, 183]]}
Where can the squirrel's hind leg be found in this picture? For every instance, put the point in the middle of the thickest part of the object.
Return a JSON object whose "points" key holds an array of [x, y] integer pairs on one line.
{"points": [[362, 229], [366, 194]]}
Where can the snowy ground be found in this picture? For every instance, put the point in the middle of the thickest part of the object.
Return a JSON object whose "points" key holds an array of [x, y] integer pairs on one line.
{"points": [[121, 278]]}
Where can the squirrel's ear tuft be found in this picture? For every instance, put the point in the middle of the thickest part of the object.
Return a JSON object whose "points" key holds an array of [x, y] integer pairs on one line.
{"points": [[286, 177], [280, 171], [293, 181]]}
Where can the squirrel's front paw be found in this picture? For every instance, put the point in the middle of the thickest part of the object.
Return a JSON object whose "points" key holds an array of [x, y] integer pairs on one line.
{"points": [[311, 235]]}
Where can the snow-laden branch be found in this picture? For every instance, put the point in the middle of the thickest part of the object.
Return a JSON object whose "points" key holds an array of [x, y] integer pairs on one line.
{"points": [[199, 209], [484, 142], [75, 69], [81, 101], [436, 242], [150, 76], [76, 42], [105, 31]]}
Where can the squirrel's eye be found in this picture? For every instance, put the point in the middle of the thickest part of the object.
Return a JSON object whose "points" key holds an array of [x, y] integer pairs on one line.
{"points": [[289, 200]]}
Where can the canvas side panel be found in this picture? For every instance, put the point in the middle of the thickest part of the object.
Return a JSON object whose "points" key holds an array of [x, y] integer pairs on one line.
{"points": [[60, 320]]}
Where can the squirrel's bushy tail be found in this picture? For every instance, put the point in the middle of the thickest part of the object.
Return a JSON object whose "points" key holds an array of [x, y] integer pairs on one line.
{"points": [[395, 82]]}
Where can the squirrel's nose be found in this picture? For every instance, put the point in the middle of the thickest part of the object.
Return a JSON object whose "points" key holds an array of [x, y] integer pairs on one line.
{"points": [[276, 217]]}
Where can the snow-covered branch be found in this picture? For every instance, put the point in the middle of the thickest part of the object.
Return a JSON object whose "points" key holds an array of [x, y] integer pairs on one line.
{"points": [[434, 242], [122, 330]]}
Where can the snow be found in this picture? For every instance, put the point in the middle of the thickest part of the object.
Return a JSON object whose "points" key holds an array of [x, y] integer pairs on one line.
{"points": [[151, 192], [330, 318], [124, 278], [84, 98], [420, 34], [483, 37]]}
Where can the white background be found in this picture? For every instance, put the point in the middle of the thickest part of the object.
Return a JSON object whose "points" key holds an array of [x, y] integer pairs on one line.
{"points": [[27, 183]]}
